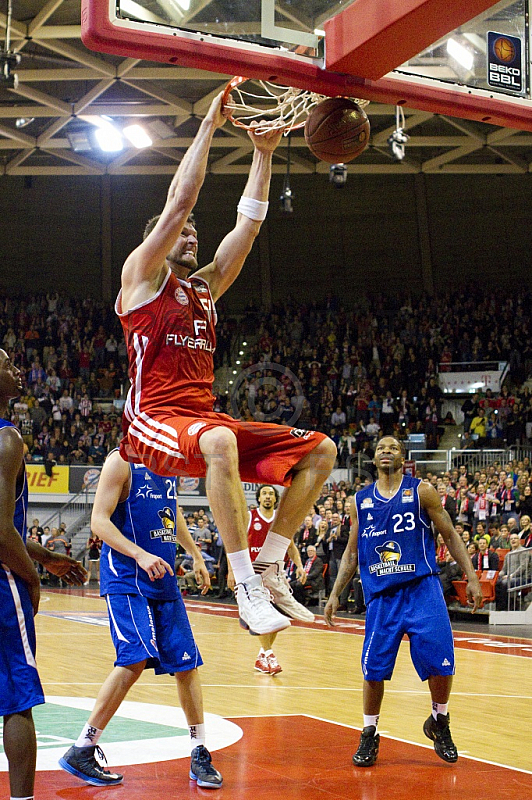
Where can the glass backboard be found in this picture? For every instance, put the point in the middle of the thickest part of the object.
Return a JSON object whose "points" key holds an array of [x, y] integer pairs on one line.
{"points": [[471, 61]]}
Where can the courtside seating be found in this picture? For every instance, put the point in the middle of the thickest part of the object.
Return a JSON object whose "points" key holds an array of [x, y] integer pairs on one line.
{"points": [[460, 590], [487, 585], [501, 552]]}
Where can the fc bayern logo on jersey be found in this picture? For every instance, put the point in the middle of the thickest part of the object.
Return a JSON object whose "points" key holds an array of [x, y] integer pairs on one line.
{"points": [[181, 297], [257, 526]]}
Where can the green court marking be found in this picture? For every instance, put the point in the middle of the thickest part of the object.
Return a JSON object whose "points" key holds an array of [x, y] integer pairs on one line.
{"points": [[58, 726]]}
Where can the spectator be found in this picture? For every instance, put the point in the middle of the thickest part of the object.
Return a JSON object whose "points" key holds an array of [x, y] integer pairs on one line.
{"points": [[485, 559]]}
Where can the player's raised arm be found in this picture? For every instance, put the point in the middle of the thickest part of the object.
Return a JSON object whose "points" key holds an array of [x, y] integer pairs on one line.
{"points": [[113, 487], [431, 503], [143, 270], [234, 249], [346, 572]]}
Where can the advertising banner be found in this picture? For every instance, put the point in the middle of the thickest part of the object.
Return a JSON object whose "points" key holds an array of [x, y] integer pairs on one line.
{"points": [[83, 478], [40, 483]]}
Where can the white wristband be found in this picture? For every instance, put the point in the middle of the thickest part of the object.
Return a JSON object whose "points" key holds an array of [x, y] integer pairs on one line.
{"points": [[254, 209]]}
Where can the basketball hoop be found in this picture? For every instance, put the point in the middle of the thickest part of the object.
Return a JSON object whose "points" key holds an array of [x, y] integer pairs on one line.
{"points": [[262, 106]]}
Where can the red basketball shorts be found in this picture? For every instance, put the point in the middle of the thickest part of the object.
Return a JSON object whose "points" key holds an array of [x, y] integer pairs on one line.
{"points": [[168, 444]]}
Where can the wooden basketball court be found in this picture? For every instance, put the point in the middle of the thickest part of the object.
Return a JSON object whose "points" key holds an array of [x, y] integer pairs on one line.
{"points": [[300, 728]]}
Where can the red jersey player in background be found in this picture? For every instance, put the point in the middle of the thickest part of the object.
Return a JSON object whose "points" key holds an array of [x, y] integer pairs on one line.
{"points": [[168, 320], [260, 520]]}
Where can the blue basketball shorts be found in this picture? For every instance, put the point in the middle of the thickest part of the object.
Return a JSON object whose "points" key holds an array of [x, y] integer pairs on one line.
{"points": [[20, 686], [156, 631], [418, 610]]}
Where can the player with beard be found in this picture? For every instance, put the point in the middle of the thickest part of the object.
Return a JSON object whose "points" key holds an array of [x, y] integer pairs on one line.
{"points": [[260, 520], [20, 686], [168, 316], [391, 540]]}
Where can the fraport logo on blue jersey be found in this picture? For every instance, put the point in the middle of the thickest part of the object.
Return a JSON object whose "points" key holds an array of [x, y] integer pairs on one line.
{"points": [[407, 496]]}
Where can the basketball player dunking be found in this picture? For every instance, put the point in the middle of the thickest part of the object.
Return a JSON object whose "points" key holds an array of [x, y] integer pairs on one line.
{"points": [[168, 320], [259, 523]]}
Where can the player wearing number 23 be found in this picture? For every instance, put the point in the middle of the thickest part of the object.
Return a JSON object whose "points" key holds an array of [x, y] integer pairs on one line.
{"points": [[392, 541]]}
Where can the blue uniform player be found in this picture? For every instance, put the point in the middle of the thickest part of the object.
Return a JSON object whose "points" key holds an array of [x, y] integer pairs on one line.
{"points": [[136, 515], [20, 687], [391, 540]]}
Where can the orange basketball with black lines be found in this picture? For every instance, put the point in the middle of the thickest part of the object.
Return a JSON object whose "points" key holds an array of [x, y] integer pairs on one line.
{"points": [[337, 130], [504, 50]]}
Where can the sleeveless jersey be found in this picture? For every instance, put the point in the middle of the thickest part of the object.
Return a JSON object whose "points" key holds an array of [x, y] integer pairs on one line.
{"points": [[258, 527], [21, 503], [395, 541], [170, 343], [148, 518]]}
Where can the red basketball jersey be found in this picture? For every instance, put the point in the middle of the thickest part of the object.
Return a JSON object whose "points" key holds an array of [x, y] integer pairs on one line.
{"points": [[170, 343], [258, 527]]}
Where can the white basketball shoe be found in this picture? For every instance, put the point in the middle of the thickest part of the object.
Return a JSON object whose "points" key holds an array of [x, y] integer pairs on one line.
{"points": [[255, 609], [275, 580]]}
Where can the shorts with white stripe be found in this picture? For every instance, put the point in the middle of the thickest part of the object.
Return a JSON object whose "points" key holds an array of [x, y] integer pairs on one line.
{"points": [[20, 686], [156, 631]]}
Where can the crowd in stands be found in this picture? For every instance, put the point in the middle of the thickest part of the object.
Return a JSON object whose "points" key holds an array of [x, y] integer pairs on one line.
{"points": [[374, 369], [354, 374]]}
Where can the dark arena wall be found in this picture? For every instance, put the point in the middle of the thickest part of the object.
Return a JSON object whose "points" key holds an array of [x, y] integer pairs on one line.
{"points": [[377, 234]]}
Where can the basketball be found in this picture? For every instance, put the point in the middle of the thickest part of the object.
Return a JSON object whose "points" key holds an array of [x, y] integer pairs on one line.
{"points": [[337, 130], [504, 50]]}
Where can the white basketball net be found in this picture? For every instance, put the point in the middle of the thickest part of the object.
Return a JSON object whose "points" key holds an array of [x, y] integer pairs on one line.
{"points": [[264, 106]]}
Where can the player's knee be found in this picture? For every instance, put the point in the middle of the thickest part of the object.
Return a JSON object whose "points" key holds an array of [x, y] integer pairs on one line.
{"points": [[327, 449], [219, 442]]}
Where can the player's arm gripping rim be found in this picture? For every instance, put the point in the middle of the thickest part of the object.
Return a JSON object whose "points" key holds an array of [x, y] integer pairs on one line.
{"points": [[113, 487], [12, 551], [144, 269], [346, 572], [431, 503], [185, 539], [234, 248]]}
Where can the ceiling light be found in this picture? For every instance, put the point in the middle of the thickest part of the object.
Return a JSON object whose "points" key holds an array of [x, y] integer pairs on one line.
{"points": [[79, 141], [160, 129], [109, 139], [461, 54], [21, 122], [137, 136]]}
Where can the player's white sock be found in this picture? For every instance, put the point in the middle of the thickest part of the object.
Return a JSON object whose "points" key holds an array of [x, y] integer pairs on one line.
{"points": [[241, 565], [439, 708], [261, 651], [89, 736], [274, 549], [268, 652], [371, 719], [197, 735], [28, 797]]}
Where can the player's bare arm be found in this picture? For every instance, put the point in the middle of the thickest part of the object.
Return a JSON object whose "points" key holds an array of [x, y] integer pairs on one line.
{"points": [[431, 503], [145, 268], [113, 487], [235, 247], [346, 571], [12, 550], [71, 571], [184, 537]]}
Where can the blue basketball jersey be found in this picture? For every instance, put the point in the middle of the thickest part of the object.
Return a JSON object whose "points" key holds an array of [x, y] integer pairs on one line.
{"points": [[395, 541], [148, 518]]}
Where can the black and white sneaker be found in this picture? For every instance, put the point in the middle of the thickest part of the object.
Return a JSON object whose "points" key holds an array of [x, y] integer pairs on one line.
{"points": [[439, 731], [368, 748], [81, 762], [202, 771]]}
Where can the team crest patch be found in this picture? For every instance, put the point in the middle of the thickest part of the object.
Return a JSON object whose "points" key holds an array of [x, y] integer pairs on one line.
{"points": [[181, 297], [367, 502], [257, 526], [407, 496]]}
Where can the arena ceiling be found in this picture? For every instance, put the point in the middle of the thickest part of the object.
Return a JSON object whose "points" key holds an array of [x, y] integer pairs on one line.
{"points": [[62, 86]]}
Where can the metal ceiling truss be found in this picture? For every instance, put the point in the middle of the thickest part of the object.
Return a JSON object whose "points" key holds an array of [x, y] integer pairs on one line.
{"points": [[62, 87]]}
